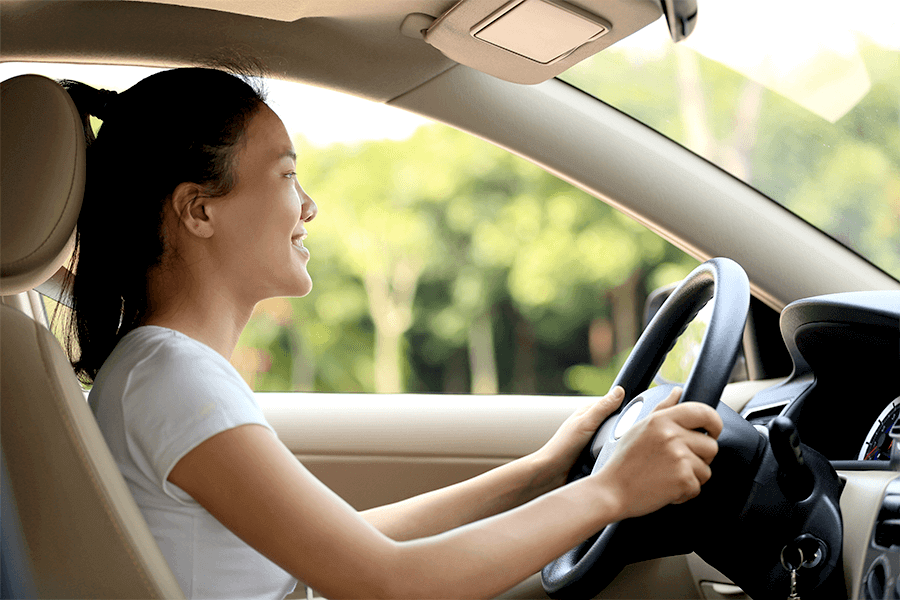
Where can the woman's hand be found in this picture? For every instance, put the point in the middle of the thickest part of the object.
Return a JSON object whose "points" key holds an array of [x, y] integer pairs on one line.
{"points": [[558, 455], [663, 458]]}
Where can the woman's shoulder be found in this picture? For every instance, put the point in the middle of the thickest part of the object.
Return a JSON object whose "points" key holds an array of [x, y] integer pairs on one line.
{"points": [[161, 354], [167, 345], [157, 375]]}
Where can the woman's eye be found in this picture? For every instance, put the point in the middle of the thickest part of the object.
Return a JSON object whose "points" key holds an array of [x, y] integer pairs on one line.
{"points": [[291, 175]]}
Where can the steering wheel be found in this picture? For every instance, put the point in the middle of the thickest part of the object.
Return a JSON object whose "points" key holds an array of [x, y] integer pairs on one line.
{"points": [[587, 568]]}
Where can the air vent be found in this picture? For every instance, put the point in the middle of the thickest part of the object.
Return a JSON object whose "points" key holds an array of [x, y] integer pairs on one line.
{"points": [[763, 414], [887, 527]]}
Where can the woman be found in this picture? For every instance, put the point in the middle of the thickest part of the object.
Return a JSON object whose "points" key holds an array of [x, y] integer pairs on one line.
{"points": [[196, 175]]}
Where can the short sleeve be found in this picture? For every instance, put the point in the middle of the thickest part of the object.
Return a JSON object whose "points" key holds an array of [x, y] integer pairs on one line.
{"points": [[179, 395]]}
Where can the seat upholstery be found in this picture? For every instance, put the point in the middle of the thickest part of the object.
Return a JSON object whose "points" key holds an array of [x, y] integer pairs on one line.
{"points": [[42, 154], [83, 535]]}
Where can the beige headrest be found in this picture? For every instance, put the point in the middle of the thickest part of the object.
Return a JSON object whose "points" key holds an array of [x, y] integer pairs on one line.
{"points": [[42, 157]]}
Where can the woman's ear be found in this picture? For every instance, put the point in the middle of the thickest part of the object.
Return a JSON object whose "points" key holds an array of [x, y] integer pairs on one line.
{"points": [[190, 206]]}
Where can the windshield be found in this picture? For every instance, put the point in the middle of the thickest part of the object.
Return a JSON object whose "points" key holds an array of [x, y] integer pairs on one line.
{"points": [[799, 103]]}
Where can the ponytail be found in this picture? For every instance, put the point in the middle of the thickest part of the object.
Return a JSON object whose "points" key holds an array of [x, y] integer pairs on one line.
{"points": [[90, 102], [175, 126]]}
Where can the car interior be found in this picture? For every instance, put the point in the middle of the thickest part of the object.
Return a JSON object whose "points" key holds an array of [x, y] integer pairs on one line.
{"points": [[794, 505]]}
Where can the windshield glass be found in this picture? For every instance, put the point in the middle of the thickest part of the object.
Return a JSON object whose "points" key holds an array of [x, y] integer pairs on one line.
{"points": [[795, 101]]}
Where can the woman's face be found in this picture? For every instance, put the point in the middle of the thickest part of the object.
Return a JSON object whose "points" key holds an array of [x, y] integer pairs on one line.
{"points": [[259, 225]]}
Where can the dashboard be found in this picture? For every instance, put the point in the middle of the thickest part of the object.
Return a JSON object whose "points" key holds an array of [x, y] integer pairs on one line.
{"points": [[844, 398], [844, 392]]}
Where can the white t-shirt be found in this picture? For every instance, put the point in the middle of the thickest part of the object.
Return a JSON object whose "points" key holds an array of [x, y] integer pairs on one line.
{"points": [[159, 395]]}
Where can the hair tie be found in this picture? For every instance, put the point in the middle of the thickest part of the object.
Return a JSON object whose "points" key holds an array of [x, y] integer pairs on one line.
{"points": [[104, 99]]}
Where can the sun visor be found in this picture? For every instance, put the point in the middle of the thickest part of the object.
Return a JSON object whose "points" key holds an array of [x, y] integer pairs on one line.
{"points": [[530, 41]]}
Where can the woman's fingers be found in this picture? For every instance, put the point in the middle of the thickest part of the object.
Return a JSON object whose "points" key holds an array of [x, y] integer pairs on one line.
{"points": [[607, 405], [697, 472], [671, 400], [704, 446], [671, 449], [560, 453], [692, 415]]}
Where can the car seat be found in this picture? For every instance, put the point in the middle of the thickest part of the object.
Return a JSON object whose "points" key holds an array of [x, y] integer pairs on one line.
{"points": [[70, 526]]}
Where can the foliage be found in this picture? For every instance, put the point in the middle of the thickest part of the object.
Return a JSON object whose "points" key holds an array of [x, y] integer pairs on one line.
{"points": [[432, 250], [843, 178]]}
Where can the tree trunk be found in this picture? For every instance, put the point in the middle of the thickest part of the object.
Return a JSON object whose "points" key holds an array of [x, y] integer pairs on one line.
{"points": [[601, 337], [698, 134], [743, 137], [525, 358], [626, 312], [390, 304], [388, 379], [482, 362], [454, 380], [303, 367]]}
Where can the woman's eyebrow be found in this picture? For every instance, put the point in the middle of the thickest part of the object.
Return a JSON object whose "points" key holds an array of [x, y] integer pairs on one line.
{"points": [[288, 154]]}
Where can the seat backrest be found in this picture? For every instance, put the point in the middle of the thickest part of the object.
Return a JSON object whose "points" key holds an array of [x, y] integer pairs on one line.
{"points": [[82, 534]]}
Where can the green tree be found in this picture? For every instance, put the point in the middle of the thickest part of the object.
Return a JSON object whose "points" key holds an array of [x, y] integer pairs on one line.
{"points": [[442, 263]]}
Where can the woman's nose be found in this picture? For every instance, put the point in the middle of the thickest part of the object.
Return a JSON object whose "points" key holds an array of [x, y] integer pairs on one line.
{"points": [[309, 210]]}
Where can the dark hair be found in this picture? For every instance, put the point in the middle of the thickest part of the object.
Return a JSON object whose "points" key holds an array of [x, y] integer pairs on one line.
{"points": [[182, 125]]}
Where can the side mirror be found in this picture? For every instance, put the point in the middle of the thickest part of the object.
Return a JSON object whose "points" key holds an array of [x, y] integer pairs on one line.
{"points": [[678, 363]]}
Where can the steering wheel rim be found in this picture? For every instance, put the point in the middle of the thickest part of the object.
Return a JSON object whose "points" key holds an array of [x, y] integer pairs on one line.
{"points": [[719, 280]]}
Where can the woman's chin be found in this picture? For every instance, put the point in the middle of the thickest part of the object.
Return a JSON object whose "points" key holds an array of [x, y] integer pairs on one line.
{"points": [[303, 288]]}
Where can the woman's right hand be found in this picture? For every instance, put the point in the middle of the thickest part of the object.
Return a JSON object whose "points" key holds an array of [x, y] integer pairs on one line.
{"points": [[663, 458]]}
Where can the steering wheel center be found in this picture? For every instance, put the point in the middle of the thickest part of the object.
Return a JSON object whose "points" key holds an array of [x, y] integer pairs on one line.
{"points": [[629, 417]]}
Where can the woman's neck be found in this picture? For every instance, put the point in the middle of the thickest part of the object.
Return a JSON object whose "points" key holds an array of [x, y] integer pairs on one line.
{"points": [[199, 309], [221, 335]]}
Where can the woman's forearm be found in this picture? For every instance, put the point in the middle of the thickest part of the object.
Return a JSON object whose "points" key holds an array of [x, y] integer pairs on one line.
{"points": [[248, 480], [488, 494], [485, 558], [500, 489]]}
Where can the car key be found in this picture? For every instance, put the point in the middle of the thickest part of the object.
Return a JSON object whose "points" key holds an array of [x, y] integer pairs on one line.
{"points": [[789, 566], [793, 595]]}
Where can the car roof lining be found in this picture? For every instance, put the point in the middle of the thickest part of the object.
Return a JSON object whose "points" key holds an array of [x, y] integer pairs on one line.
{"points": [[365, 55], [292, 10]]}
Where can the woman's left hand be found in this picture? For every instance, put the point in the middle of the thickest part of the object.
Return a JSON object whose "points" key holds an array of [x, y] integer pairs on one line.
{"points": [[558, 455]]}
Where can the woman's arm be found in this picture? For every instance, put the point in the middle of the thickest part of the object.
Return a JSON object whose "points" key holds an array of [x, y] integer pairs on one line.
{"points": [[253, 484], [499, 489]]}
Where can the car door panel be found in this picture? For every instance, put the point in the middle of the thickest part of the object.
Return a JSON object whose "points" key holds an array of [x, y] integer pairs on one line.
{"points": [[375, 449]]}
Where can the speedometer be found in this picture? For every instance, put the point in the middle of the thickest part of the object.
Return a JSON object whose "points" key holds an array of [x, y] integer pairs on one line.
{"points": [[878, 443]]}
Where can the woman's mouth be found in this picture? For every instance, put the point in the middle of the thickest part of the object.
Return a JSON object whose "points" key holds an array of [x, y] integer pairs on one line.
{"points": [[297, 242]]}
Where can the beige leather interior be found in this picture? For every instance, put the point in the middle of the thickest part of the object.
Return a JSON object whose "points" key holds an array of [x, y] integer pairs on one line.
{"points": [[40, 137], [83, 534], [860, 504]]}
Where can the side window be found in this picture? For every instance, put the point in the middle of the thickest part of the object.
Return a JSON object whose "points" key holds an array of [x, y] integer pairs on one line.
{"points": [[444, 264], [440, 262]]}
